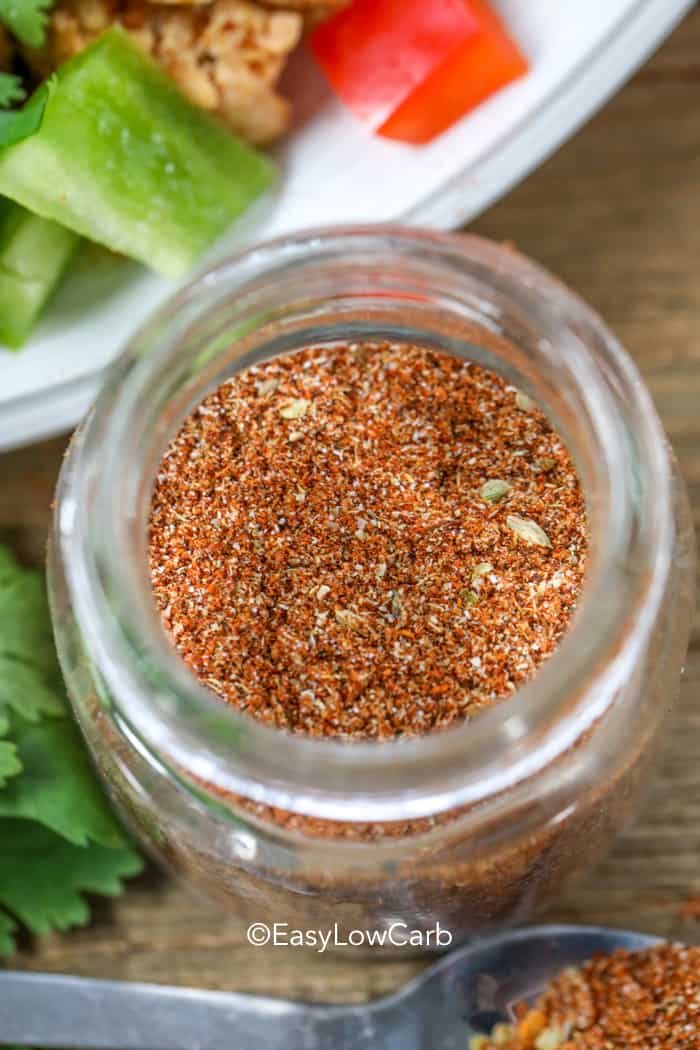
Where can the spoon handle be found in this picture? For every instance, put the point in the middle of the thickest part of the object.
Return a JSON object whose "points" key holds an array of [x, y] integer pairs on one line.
{"points": [[51, 1010]]}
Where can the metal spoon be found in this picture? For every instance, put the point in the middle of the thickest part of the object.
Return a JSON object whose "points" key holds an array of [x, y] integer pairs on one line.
{"points": [[466, 992]]}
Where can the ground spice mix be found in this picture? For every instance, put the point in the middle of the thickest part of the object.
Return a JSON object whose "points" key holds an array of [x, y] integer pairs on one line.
{"points": [[366, 541], [647, 1000]]}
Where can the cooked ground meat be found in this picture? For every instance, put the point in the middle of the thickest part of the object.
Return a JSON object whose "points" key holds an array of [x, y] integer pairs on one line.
{"points": [[313, 10], [226, 56]]}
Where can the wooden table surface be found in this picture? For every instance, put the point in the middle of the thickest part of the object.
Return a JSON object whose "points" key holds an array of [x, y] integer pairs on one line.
{"points": [[616, 213]]}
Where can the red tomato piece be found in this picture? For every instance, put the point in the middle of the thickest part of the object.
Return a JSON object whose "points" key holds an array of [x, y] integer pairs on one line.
{"points": [[411, 68]]}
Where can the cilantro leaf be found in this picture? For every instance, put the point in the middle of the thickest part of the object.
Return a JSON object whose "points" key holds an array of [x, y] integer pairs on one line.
{"points": [[58, 836], [19, 124], [43, 877], [29, 671], [9, 568], [25, 690], [11, 90], [7, 928], [26, 19], [8, 565], [25, 626], [10, 764], [57, 787]]}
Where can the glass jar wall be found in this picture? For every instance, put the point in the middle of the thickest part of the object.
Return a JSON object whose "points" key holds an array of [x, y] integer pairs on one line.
{"points": [[472, 826]]}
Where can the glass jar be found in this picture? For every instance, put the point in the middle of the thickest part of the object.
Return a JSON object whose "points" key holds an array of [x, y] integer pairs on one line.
{"points": [[471, 826]]}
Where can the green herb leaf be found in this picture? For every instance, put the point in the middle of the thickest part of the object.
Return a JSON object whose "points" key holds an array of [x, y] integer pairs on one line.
{"points": [[25, 689], [19, 124], [26, 19], [11, 90], [57, 787], [30, 679], [43, 877], [26, 628], [8, 566], [58, 834], [7, 928], [10, 764]]}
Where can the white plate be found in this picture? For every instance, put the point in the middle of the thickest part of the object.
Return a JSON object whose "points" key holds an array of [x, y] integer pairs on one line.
{"points": [[581, 51]]}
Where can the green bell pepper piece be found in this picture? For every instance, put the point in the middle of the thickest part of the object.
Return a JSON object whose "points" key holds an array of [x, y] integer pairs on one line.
{"points": [[34, 253], [124, 159]]}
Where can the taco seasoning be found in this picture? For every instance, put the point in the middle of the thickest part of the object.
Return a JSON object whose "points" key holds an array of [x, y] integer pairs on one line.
{"points": [[625, 1001], [366, 541], [353, 547]]}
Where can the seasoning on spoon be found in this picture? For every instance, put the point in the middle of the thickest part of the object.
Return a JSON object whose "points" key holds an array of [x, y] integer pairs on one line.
{"points": [[362, 542], [624, 1001]]}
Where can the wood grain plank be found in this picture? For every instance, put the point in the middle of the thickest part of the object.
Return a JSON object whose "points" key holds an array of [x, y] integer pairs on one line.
{"points": [[616, 213]]}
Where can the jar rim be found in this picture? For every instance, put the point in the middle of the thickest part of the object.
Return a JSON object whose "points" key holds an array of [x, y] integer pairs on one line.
{"points": [[166, 712]]}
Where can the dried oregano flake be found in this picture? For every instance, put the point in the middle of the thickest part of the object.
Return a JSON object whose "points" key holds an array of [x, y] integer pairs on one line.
{"points": [[295, 408], [528, 530], [482, 569], [267, 387], [524, 403], [495, 490]]}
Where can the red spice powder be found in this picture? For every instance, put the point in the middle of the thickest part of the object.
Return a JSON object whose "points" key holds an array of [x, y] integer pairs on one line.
{"points": [[366, 541], [648, 1000]]}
